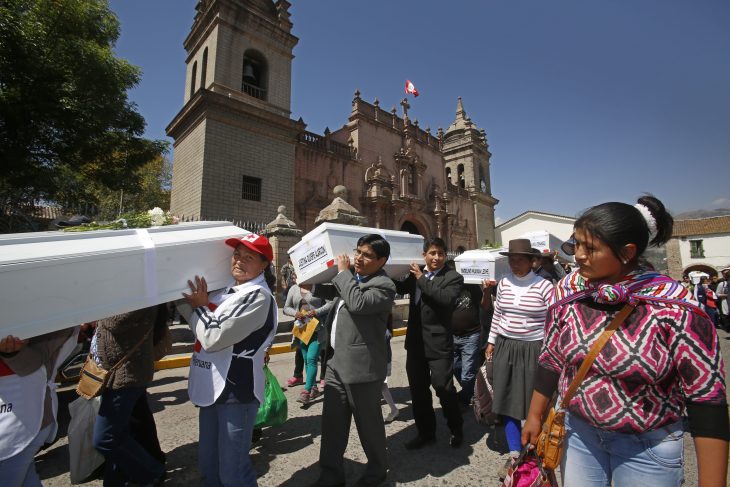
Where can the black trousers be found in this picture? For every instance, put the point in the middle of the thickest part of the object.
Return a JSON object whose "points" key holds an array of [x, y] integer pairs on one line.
{"points": [[439, 373]]}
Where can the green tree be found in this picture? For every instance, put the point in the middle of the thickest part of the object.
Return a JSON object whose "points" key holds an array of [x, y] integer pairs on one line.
{"points": [[153, 190], [65, 118], [149, 188]]}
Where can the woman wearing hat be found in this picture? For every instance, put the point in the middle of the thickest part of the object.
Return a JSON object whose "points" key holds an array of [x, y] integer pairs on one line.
{"points": [[233, 328], [518, 329]]}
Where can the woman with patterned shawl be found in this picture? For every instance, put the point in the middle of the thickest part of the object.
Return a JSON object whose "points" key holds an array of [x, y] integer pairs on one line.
{"points": [[625, 424]]}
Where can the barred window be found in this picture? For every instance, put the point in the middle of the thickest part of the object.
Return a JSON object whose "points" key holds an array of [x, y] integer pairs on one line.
{"points": [[696, 249], [251, 189]]}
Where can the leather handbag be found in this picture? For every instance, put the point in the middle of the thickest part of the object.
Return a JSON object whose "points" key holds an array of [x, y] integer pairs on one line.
{"points": [[94, 378], [551, 442]]}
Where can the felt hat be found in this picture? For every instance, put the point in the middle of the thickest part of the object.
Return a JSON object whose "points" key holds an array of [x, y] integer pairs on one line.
{"points": [[547, 254], [519, 246]]}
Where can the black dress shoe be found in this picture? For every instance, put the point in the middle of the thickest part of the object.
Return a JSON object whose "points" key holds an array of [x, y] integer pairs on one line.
{"points": [[456, 439], [319, 484], [370, 483], [419, 442]]}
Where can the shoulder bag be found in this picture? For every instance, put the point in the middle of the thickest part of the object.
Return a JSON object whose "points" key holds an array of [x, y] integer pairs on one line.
{"points": [[527, 470], [550, 443], [93, 378]]}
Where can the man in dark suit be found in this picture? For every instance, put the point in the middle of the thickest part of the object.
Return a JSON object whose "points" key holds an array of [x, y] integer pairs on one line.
{"points": [[430, 343], [355, 331]]}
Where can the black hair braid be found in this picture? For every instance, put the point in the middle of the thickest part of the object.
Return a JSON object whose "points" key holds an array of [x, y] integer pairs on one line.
{"points": [[270, 277]]}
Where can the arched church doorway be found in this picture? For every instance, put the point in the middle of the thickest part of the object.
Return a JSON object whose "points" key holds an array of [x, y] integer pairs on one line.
{"points": [[410, 227]]}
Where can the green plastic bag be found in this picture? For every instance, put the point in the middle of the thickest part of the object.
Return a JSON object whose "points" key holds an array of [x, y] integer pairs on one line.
{"points": [[273, 411]]}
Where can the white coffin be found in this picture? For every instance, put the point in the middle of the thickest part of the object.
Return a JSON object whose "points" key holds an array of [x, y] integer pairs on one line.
{"points": [[545, 241], [315, 257], [477, 265], [52, 280]]}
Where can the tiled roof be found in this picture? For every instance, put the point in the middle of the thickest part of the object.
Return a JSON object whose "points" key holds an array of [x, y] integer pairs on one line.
{"points": [[701, 226]]}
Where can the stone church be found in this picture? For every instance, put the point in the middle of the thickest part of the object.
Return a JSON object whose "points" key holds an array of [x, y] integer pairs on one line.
{"points": [[238, 155]]}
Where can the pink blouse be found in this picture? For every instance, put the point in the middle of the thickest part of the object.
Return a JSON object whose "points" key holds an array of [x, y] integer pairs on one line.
{"points": [[658, 361]]}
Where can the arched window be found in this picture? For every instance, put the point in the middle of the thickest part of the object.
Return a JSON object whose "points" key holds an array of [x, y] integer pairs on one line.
{"points": [[460, 174], [448, 175], [192, 78], [255, 74], [204, 68]]}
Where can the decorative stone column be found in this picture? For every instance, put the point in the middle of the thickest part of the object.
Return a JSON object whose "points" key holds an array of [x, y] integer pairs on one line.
{"points": [[340, 211], [282, 234]]}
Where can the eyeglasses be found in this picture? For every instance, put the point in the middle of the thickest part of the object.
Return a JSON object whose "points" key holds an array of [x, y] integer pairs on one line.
{"points": [[365, 256]]}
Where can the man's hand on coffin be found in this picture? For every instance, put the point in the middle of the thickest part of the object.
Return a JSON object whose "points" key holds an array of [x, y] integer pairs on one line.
{"points": [[416, 270], [199, 293], [343, 262], [11, 344]]}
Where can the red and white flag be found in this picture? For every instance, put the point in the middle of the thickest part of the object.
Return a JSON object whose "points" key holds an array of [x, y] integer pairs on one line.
{"points": [[411, 88]]}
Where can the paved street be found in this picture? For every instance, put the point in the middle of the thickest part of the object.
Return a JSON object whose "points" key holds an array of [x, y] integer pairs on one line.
{"points": [[287, 455]]}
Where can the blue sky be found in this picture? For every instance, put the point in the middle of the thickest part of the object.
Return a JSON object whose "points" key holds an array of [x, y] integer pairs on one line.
{"points": [[583, 101]]}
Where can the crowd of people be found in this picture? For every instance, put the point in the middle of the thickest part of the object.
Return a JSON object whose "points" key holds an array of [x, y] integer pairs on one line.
{"points": [[660, 375]]}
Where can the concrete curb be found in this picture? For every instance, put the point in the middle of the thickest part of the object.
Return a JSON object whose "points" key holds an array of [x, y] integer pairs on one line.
{"points": [[183, 360]]}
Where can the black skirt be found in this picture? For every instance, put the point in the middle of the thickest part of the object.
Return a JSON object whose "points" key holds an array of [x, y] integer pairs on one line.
{"points": [[515, 362]]}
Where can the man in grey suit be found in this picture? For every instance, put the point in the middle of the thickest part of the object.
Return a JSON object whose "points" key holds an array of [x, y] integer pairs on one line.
{"points": [[355, 373]]}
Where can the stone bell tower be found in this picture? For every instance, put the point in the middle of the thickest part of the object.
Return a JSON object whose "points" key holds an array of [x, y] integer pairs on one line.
{"points": [[234, 141], [466, 160]]}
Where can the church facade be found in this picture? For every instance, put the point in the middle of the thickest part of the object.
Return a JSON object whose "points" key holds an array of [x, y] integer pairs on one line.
{"points": [[239, 155]]}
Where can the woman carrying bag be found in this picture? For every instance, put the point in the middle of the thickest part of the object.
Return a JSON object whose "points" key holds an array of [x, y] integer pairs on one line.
{"points": [[515, 338], [123, 345], [233, 329], [624, 423], [303, 305]]}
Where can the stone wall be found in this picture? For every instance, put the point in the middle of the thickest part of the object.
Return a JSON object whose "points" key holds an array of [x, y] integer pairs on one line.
{"points": [[187, 173], [234, 152]]}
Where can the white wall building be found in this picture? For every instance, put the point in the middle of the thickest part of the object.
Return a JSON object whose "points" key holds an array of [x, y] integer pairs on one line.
{"points": [[533, 221], [701, 244]]}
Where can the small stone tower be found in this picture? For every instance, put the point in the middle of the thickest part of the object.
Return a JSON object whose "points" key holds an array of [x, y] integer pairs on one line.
{"points": [[466, 160], [234, 139]]}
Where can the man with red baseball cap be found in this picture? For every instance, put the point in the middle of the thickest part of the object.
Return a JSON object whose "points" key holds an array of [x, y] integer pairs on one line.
{"points": [[233, 328]]}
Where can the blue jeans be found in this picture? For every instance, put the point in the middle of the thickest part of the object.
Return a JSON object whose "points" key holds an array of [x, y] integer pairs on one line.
{"points": [[225, 438], [19, 470], [310, 353], [125, 458], [595, 458], [466, 360]]}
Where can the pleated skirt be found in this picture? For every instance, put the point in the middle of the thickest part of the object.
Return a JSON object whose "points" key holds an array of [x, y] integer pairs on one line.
{"points": [[515, 362]]}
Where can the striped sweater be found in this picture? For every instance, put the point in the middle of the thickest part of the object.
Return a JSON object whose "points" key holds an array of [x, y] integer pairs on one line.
{"points": [[521, 307]]}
